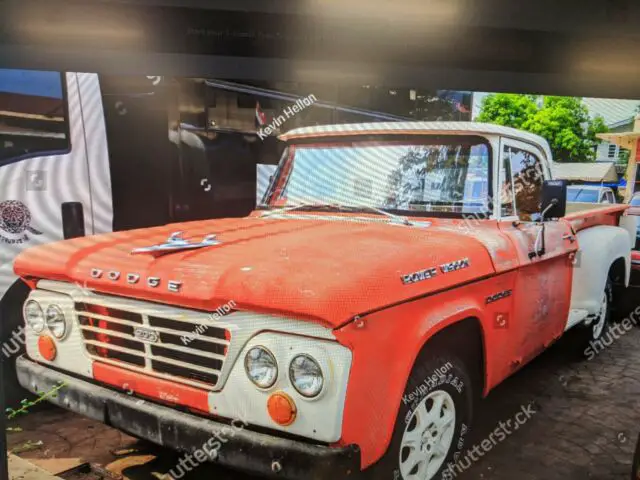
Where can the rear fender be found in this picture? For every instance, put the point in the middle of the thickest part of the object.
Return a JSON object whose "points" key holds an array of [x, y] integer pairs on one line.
{"points": [[599, 248]]}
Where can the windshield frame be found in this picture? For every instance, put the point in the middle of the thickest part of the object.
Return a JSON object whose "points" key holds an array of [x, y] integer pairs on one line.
{"points": [[286, 162]]}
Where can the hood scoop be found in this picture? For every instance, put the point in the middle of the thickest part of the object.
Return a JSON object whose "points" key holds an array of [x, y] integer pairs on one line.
{"points": [[174, 244]]}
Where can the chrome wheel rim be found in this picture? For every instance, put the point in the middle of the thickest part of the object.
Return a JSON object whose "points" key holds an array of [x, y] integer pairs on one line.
{"points": [[427, 437]]}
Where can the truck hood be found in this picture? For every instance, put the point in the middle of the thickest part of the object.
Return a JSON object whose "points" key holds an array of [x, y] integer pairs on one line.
{"points": [[321, 268]]}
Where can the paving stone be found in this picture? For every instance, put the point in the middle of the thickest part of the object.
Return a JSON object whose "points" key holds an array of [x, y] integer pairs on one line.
{"points": [[587, 422]]}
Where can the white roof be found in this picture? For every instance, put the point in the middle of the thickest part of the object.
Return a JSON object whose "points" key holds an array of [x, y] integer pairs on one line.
{"points": [[615, 112], [414, 128], [585, 172]]}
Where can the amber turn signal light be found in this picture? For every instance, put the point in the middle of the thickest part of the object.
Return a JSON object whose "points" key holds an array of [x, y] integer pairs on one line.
{"points": [[282, 408], [47, 347]]}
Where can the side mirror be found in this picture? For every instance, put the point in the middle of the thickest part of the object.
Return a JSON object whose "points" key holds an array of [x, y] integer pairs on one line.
{"points": [[554, 199]]}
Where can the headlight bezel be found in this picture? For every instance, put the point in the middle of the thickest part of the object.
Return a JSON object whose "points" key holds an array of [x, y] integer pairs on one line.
{"points": [[42, 316], [273, 358], [60, 312], [318, 365]]}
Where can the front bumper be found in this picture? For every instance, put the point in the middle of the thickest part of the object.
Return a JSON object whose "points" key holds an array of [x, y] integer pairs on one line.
{"points": [[246, 450]]}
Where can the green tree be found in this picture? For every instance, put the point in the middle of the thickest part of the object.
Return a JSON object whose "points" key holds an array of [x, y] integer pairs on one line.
{"points": [[508, 109], [563, 121]]}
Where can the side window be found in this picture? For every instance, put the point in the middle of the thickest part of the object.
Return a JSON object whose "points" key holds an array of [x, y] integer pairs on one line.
{"points": [[522, 186], [507, 200], [610, 198], [33, 114]]}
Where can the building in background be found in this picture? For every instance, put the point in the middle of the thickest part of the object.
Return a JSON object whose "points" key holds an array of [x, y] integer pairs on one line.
{"points": [[618, 117]]}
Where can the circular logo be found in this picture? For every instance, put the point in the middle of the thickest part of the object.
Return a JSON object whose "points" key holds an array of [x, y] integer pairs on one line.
{"points": [[14, 216]]}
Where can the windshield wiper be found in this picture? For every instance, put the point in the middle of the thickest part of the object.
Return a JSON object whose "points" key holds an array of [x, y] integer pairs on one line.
{"points": [[314, 206], [396, 218], [340, 208]]}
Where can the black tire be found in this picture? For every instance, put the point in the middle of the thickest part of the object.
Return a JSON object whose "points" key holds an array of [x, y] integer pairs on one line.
{"points": [[440, 372], [587, 335], [12, 343]]}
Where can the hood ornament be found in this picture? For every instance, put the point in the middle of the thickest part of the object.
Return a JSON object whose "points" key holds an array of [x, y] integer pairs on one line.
{"points": [[176, 243]]}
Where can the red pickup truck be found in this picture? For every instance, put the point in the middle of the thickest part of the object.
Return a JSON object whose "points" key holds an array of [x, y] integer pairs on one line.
{"points": [[392, 275]]}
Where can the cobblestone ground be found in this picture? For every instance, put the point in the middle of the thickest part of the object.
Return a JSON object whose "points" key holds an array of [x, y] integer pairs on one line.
{"points": [[587, 416], [586, 423]]}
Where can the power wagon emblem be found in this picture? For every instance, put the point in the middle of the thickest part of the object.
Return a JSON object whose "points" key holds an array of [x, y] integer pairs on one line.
{"points": [[428, 273], [425, 274], [453, 266]]}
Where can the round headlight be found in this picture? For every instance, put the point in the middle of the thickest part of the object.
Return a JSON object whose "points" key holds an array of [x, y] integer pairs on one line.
{"points": [[306, 376], [55, 321], [261, 367], [34, 316]]}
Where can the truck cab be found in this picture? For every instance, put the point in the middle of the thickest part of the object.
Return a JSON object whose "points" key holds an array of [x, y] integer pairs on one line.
{"points": [[391, 275]]}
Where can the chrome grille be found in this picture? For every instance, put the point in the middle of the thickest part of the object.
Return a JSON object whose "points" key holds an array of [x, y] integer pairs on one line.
{"points": [[153, 343]]}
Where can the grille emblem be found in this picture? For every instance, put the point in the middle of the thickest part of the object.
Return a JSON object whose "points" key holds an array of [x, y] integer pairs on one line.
{"points": [[146, 335]]}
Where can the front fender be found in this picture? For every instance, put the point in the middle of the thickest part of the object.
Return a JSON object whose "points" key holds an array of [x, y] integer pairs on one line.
{"points": [[599, 248], [385, 346]]}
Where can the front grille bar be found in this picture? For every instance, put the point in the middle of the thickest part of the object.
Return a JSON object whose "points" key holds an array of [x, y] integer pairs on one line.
{"points": [[111, 339], [169, 331]]}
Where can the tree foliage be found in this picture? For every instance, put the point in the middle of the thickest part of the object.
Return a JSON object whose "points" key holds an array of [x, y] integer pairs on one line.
{"points": [[563, 121]]}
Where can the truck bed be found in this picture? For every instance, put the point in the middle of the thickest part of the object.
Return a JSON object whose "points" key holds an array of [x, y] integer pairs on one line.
{"points": [[585, 215]]}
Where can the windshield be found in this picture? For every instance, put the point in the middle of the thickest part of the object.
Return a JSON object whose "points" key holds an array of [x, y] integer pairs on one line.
{"points": [[582, 195], [635, 201], [439, 174]]}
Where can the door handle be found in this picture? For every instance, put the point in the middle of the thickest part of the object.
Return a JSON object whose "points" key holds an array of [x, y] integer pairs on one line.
{"points": [[569, 236]]}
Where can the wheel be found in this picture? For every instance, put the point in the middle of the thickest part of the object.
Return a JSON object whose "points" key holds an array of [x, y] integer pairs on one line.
{"points": [[588, 335], [432, 424]]}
